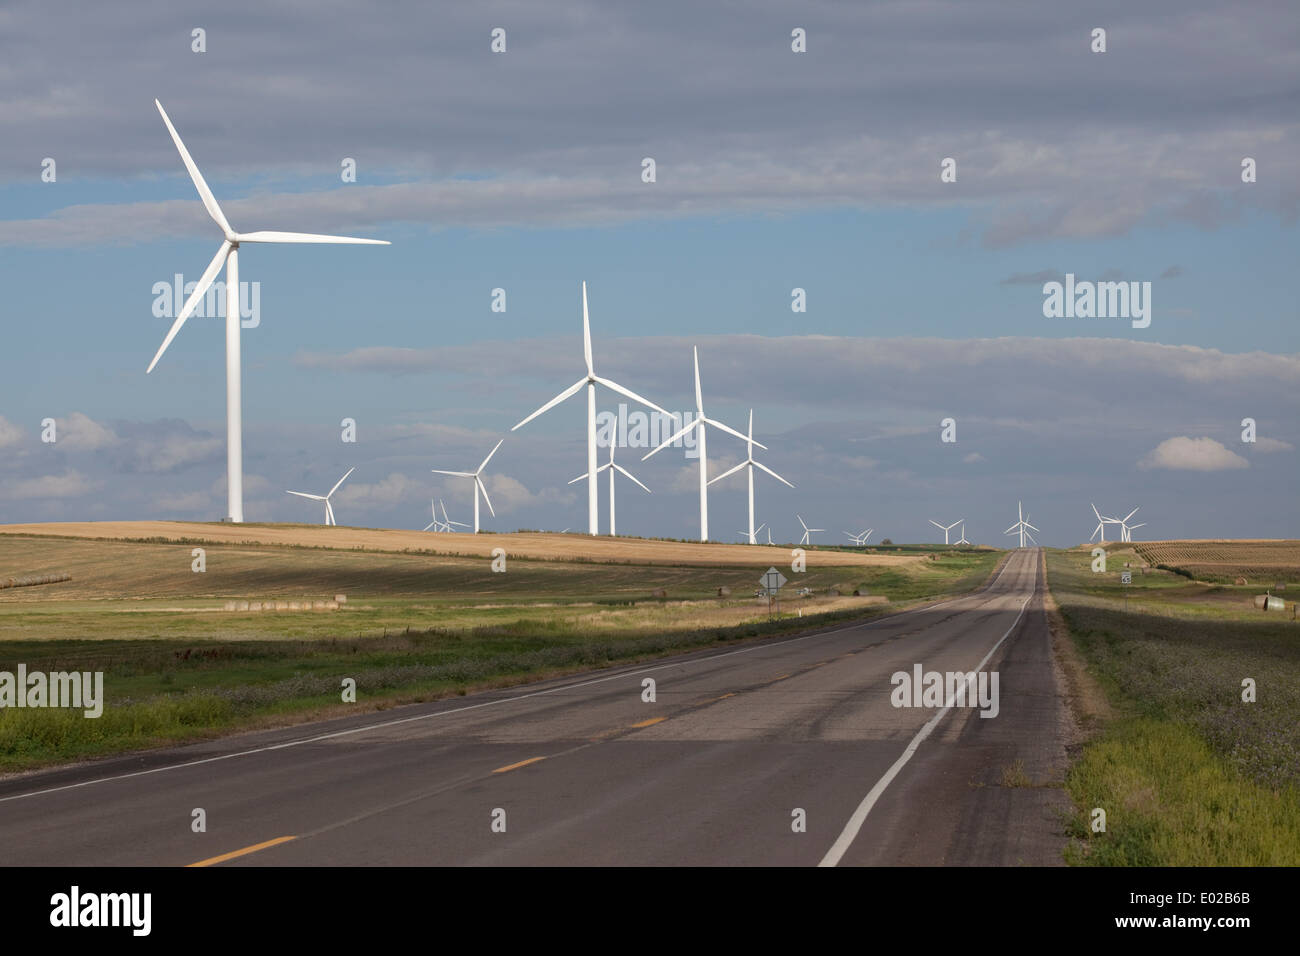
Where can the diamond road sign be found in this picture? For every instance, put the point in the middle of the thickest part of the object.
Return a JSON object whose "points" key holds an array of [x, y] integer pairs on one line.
{"points": [[772, 580]]}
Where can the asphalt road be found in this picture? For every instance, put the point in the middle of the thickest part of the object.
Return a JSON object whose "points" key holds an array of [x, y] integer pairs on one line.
{"points": [[582, 770]]}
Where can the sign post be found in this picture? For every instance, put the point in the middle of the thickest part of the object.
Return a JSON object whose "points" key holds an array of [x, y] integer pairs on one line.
{"points": [[772, 580]]}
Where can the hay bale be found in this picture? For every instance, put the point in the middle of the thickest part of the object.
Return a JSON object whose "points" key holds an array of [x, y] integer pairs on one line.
{"points": [[241, 605], [228, 606], [331, 605], [282, 605], [1239, 581], [340, 599], [859, 592], [724, 592], [255, 605], [659, 593], [295, 605]]}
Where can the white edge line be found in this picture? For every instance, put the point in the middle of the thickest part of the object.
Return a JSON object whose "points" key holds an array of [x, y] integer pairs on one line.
{"points": [[487, 703], [850, 832]]}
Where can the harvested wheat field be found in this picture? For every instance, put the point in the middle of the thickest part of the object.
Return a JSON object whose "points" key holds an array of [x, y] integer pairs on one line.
{"points": [[532, 545], [1259, 561]]}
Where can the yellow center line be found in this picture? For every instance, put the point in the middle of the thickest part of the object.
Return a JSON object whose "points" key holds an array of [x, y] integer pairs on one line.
{"points": [[723, 697], [516, 766], [210, 861], [782, 677], [651, 722]]}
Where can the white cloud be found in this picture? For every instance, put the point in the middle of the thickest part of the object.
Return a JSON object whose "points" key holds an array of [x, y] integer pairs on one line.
{"points": [[1266, 445], [70, 484], [80, 432], [1192, 454], [973, 458], [10, 434]]}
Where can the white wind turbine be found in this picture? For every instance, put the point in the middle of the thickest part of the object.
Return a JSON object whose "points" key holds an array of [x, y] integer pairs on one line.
{"points": [[962, 539], [1102, 521], [591, 379], [479, 487], [1126, 529], [698, 424], [745, 534], [944, 529], [807, 531], [861, 537], [769, 534], [749, 465], [445, 524], [329, 511], [611, 467], [228, 255], [1022, 526]]}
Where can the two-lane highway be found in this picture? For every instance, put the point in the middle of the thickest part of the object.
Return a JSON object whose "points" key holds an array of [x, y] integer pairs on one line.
{"points": [[738, 748]]}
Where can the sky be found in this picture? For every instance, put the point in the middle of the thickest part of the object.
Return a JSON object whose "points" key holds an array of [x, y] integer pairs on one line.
{"points": [[775, 171]]}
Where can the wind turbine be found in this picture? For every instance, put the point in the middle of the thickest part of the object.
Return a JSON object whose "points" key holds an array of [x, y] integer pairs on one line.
{"points": [[698, 424], [807, 531], [749, 465], [228, 255], [861, 537], [445, 524], [962, 539], [1022, 527], [745, 534], [478, 483], [769, 534], [329, 511], [1101, 525], [945, 530], [591, 379], [612, 467], [1126, 529]]}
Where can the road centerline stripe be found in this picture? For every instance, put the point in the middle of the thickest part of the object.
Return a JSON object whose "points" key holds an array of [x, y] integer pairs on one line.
{"points": [[650, 723], [516, 766], [212, 860]]}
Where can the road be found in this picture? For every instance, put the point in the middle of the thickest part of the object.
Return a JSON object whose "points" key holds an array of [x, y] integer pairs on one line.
{"points": [[583, 770]]}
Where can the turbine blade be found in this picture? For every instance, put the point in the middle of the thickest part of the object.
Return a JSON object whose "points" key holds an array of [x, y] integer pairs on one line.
{"points": [[1031, 527], [699, 396], [341, 480], [729, 472], [209, 200], [1131, 514], [571, 390], [586, 332], [623, 471], [430, 525], [489, 458], [672, 438], [731, 431], [329, 513], [483, 488], [582, 477], [308, 237], [759, 464], [454, 474], [303, 494], [192, 302], [936, 524], [630, 394]]}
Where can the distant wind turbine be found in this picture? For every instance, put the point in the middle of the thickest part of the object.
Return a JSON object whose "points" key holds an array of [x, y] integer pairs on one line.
{"points": [[611, 467], [698, 424], [479, 487], [446, 523], [861, 537], [946, 529], [590, 380], [329, 511], [807, 531], [749, 464], [1022, 526], [1102, 521], [1126, 529], [962, 539], [228, 255]]}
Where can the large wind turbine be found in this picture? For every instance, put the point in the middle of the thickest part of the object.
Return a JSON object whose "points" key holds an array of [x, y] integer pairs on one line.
{"points": [[446, 523], [228, 255], [611, 467], [860, 538], [329, 511], [1022, 527], [1126, 529], [1102, 521], [698, 424], [807, 531], [749, 465], [962, 539], [944, 529], [590, 380], [478, 483]]}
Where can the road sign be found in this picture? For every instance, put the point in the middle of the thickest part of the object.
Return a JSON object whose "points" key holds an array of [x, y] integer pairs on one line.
{"points": [[1126, 577], [772, 579]]}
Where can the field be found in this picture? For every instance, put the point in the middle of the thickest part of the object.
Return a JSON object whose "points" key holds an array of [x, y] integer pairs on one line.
{"points": [[1262, 563], [1187, 771], [416, 624]]}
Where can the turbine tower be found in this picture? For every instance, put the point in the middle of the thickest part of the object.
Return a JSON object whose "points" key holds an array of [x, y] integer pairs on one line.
{"points": [[228, 255], [1022, 526], [750, 464], [1126, 529], [329, 511], [478, 483], [698, 424], [591, 379], [944, 529], [611, 467], [807, 531]]}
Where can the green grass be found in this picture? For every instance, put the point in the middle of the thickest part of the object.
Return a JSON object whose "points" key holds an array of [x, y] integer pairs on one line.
{"points": [[417, 627], [1188, 772]]}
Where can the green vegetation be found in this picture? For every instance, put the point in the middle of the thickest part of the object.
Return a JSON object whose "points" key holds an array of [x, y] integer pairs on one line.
{"points": [[416, 627], [1187, 772]]}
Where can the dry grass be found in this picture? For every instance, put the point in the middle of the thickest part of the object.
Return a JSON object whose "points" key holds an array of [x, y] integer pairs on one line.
{"points": [[532, 545]]}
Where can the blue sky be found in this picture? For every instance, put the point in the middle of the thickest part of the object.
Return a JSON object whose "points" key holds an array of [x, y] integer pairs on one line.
{"points": [[775, 170]]}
